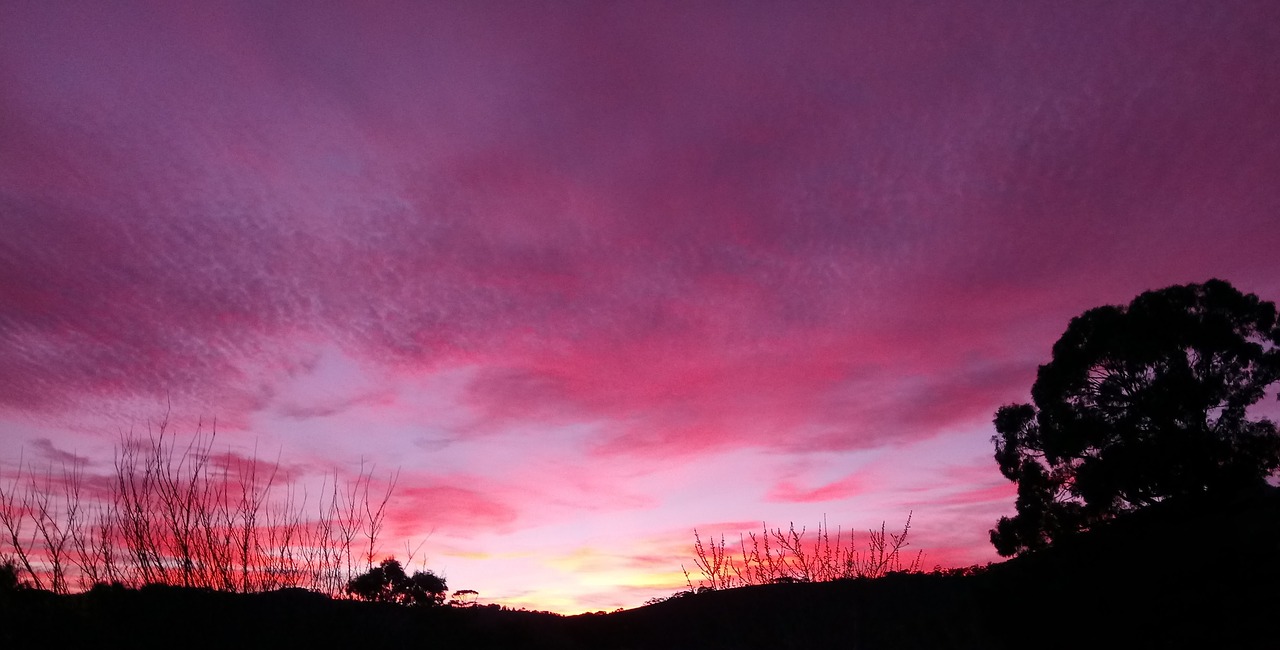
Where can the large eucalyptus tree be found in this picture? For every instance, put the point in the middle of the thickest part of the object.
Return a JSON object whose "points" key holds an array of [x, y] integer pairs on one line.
{"points": [[1141, 403]]}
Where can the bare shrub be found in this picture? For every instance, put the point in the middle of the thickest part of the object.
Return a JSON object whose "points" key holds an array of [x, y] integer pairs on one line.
{"points": [[15, 506], [790, 555], [185, 515]]}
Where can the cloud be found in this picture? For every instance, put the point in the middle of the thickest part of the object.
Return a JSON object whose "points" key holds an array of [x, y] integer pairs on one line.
{"points": [[454, 505], [174, 266], [50, 453], [787, 491]]}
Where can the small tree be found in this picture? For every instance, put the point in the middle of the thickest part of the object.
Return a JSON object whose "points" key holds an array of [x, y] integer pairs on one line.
{"points": [[9, 580], [424, 588], [464, 598], [376, 584], [388, 583], [1140, 404]]}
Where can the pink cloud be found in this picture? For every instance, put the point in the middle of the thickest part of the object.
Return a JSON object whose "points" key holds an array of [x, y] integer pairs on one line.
{"points": [[526, 227], [457, 505], [787, 491]]}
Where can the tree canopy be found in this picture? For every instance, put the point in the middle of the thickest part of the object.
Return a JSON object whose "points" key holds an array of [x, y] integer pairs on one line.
{"points": [[1141, 403], [389, 583]]}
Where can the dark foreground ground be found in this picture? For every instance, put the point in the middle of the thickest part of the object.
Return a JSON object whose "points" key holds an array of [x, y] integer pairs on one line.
{"points": [[1179, 576]]}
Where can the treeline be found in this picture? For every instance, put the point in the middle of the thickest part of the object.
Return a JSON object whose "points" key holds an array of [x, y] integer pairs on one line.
{"points": [[1184, 574]]}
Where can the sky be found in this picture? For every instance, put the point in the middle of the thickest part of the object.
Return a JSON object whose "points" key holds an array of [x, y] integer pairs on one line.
{"points": [[592, 275]]}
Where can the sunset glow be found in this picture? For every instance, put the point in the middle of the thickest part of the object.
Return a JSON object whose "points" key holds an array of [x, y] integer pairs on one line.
{"points": [[592, 275]]}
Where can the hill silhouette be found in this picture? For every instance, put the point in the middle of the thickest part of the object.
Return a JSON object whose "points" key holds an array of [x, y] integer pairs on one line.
{"points": [[1182, 573]]}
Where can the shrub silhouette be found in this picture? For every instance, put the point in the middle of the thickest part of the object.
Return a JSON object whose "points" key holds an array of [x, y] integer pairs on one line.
{"points": [[1139, 404], [9, 580], [188, 515], [789, 556], [388, 583]]}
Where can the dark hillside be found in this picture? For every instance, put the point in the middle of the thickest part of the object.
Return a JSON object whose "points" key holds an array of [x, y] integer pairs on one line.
{"points": [[1179, 574], [1185, 574]]}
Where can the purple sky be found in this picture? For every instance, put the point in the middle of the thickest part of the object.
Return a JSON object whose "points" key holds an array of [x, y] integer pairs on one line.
{"points": [[593, 274]]}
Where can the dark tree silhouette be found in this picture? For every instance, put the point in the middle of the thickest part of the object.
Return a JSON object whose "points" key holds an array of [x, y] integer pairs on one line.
{"points": [[388, 583], [376, 583], [424, 588], [9, 576], [1140, 404]]}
